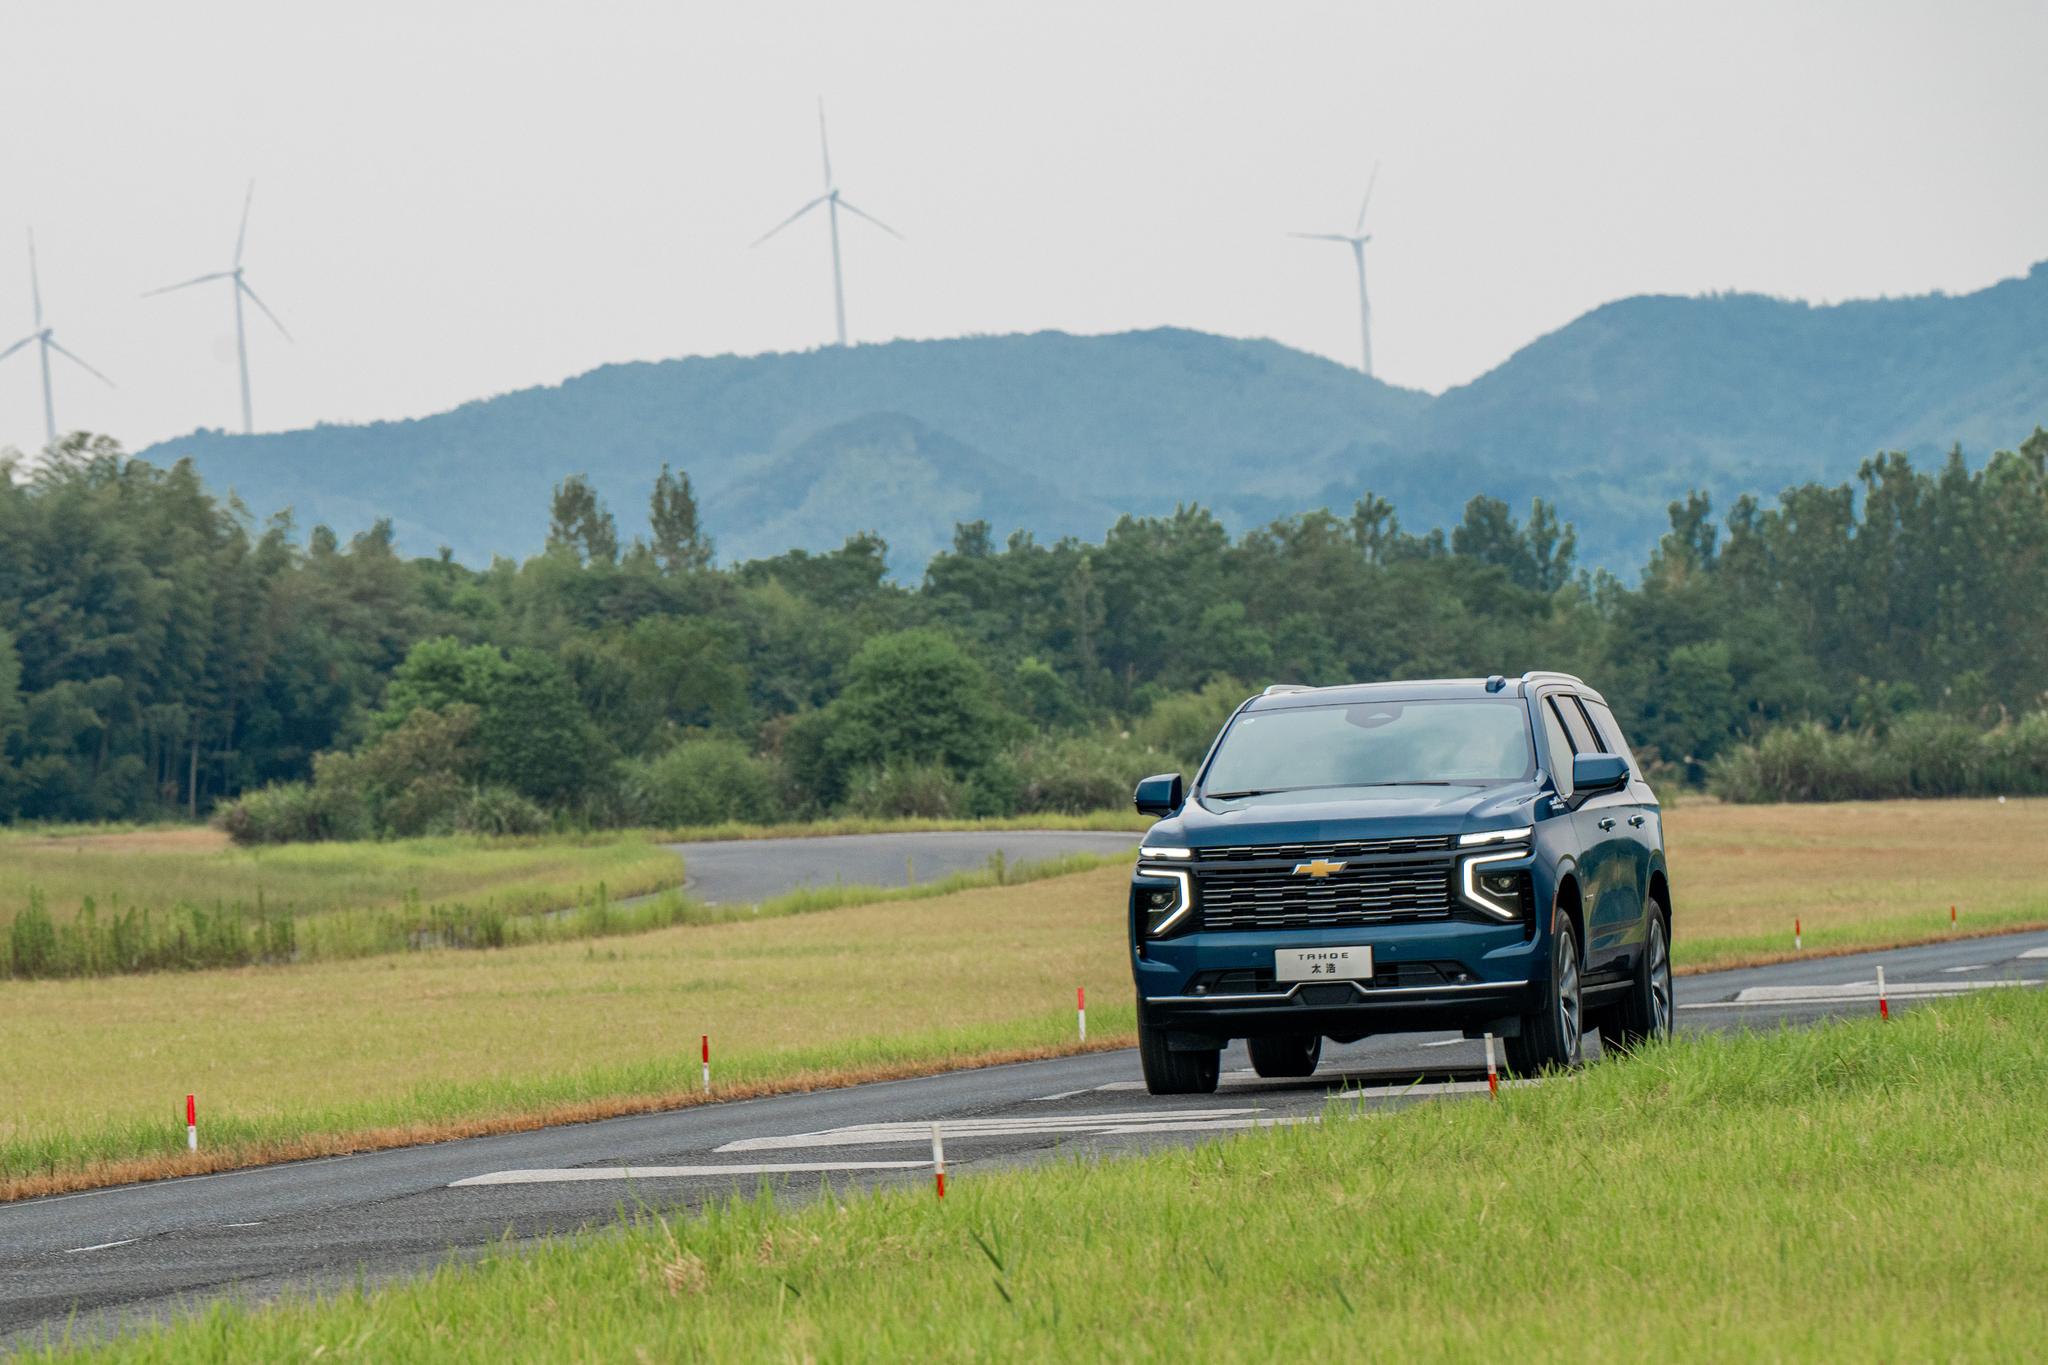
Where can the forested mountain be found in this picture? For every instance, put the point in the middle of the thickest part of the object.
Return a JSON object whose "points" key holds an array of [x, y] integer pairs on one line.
{"points": [[1609, 418]]}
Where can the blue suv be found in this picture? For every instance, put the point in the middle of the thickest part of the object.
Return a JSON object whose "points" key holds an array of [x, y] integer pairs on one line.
{"points": [[1480, 854]]}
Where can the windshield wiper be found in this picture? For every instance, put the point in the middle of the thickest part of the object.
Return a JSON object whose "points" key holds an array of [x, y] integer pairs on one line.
{"points": [[1337, 786], [1256, 791]]}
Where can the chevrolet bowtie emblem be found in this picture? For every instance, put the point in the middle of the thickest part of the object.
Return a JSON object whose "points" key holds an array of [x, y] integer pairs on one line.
{"points": [[1321, 867]]}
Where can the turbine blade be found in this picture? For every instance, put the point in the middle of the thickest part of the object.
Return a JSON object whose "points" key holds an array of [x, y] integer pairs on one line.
{"points": [[35, 282], [19, 344], [787, 221], [242, 233], [872, 219], [1320, 236], [196, 279], [81, 364], [1371, 180], [824, 146], [244, 286]]}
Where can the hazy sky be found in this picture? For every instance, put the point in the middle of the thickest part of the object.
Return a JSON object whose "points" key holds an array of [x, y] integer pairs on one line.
{"points": [[454, 200]]}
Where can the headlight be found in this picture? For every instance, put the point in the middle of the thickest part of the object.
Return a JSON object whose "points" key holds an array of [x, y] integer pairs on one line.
{"points": [[1485, 885], [1163, 896], [1150, 852], [1497, 836]]}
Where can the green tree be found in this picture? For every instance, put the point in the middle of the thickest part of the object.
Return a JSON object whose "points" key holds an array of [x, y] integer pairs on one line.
{"points": [[579, 524], [680, 545]]}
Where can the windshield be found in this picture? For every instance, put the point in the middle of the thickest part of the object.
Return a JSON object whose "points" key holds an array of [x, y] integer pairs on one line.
{"points": [[1373, 744]]}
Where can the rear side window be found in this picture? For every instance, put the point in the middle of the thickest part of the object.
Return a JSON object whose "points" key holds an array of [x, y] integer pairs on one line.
{"points": [[1575, 724], [1559, 746], [1610, 733]]}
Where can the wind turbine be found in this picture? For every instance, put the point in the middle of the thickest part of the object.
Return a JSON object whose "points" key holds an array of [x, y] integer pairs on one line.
{"points": [[46, 342], [833, 202], [1356, 240], [240, 287]]}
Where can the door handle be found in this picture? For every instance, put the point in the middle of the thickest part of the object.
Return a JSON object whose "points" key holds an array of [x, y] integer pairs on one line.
{"points": [[1635, 821], [1608, 823]]}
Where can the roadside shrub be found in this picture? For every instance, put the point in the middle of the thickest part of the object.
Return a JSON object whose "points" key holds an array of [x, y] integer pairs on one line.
{"points": [[1918, 754], [32, 939], [702, 782], [929, 790], [1079, 774], [295, 812], [499, 810]]}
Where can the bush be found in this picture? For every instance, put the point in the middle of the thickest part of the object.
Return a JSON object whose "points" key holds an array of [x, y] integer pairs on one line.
{"points": [[1185, 724], [499, 810], [1922, 753], [292, 812], [929, 790], [1077, 775], [702, 782]]}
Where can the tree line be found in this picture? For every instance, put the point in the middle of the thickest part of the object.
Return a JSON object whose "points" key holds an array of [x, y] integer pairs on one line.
{"points": [[164, 652]]}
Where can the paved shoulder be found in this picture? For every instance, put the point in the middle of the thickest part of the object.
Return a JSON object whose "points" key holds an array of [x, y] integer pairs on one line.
{"points": [[744, 870]]}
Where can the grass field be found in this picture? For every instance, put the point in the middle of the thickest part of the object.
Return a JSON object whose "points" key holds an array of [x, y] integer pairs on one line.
{"points": [[166, 866], [1864, 1191], [1858, 874], [331, 1056]]}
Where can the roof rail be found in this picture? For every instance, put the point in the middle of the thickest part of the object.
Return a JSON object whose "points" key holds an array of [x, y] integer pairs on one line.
{"points": [[1276, 688], [1552, 675]]}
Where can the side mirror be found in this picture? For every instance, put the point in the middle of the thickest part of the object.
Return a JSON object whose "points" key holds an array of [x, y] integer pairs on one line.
{"points": [[1594, 773], [1161, 794]]}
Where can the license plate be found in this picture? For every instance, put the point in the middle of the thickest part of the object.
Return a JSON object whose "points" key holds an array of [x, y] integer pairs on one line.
{"points": [[1322, 964]]}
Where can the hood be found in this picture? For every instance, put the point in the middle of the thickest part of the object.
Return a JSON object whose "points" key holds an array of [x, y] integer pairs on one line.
{"points": [[1330, 814]]}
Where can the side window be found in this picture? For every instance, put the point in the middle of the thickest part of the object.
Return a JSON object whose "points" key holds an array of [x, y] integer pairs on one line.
{"points": [[1610, 734], [1575, 724], [1559, 746]]}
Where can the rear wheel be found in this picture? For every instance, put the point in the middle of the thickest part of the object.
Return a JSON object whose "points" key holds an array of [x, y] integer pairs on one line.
{"points": [[1552, 1037], [1644, 1014], [1290, 1054], [1174, 1073]]}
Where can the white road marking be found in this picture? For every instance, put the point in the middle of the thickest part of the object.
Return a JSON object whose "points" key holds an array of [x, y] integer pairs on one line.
{"points": [[1855, 990], [882, 1134], [102, 1246], [257, 1224], [1214, 1125], [1063, 1095], [2035, 952], [1973, 967], [573, 1173], [1122, 1085], [1444, 1042]]}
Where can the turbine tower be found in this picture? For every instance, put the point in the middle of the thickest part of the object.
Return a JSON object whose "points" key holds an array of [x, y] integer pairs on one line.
{"points": [[833, 202], [45, 339], [1356, 240], [240, 287]]}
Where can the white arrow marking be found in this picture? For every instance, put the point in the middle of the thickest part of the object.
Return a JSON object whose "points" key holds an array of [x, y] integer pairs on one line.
{"points": [[1855, 990]]}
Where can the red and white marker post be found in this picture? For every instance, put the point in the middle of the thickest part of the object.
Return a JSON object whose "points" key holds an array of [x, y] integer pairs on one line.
{"points": [[1081, 1009], [706, 1041], [191, 1123], [1795, 934], [939, 1160], [1492, 1076], [1884, 1009]]}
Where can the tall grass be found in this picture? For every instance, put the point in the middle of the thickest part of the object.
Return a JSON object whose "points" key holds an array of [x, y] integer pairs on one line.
{"points": [[1921, 754]]}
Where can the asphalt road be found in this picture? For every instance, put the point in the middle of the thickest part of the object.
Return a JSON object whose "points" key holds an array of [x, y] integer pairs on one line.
{"points": [[742, 871], [104, 1258]]}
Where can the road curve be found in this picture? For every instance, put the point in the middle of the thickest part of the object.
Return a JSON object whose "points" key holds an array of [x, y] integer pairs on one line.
{"points": [[100, 1259], [744, 871]]}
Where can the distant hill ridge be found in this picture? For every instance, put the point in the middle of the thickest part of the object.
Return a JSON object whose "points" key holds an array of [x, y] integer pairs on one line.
{"points": [[1610, 417]]}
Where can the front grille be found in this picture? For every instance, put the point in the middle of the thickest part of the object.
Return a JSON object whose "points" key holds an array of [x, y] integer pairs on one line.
{"points": [[1345, 848], [1275, 898]]}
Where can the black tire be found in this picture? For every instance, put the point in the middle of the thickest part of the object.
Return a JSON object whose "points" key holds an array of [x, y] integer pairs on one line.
{"points": [[1645, 1013], [1174, 1073], [1290, 1054], [1554, 1036]]}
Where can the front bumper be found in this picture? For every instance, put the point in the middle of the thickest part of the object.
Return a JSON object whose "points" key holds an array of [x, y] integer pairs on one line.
{"points": [[1435, 975]]}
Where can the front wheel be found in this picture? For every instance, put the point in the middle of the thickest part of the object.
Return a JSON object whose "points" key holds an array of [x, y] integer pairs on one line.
{"points": [[1644, 1014], [1174, 1073], [1552, 1036], [1290, 1054]]}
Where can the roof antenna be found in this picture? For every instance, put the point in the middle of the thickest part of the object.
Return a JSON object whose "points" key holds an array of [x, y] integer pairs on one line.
{"points": [[1496, 683]]}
